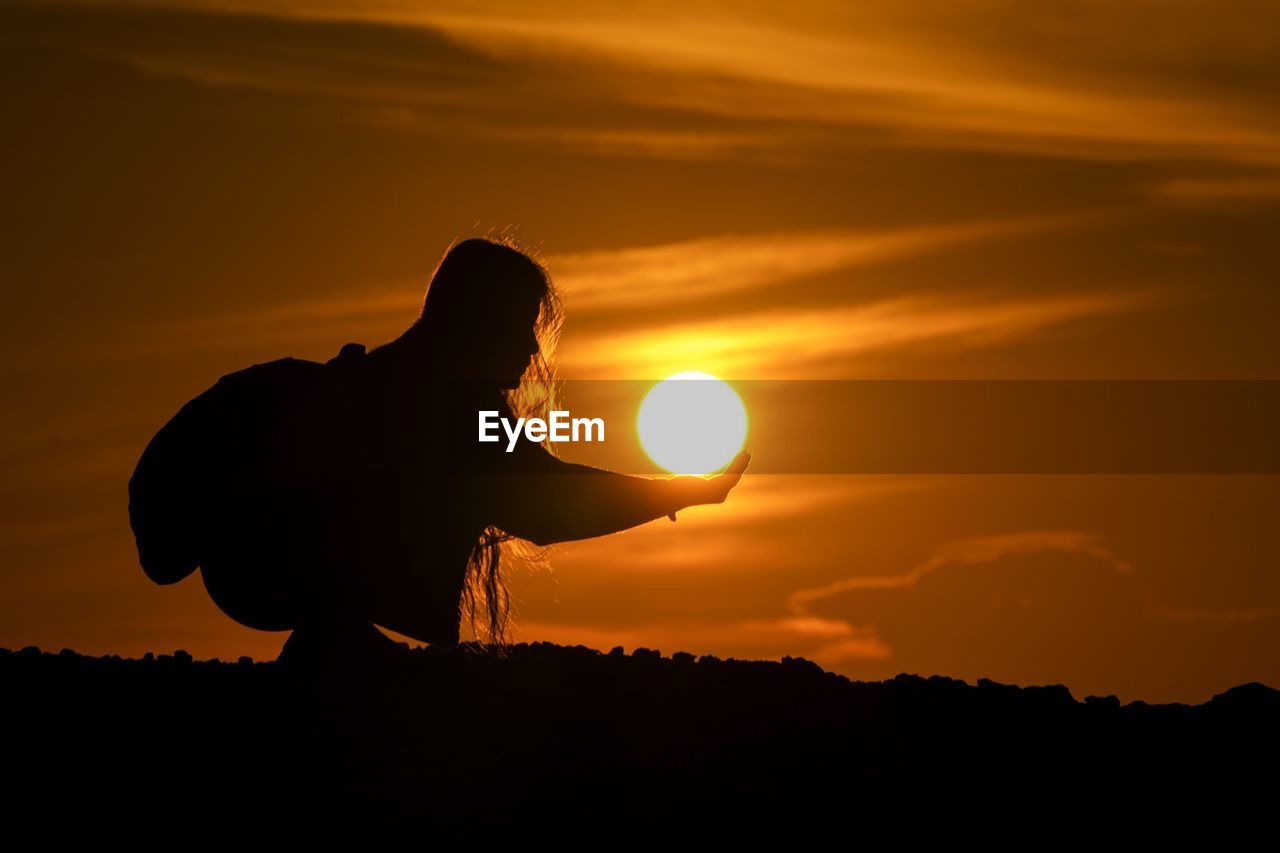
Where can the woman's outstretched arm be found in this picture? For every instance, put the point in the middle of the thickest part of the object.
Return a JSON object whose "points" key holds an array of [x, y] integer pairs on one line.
{"points": [[549, 500]]}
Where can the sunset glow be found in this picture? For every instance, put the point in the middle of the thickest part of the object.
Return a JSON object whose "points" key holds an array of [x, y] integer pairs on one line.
{"points": [[773, 193]]}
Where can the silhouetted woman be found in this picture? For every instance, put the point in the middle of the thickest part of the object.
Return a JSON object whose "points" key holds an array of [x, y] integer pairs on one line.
{"points": [[327, 498]]}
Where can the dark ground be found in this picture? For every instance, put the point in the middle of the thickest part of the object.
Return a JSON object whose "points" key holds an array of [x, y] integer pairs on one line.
{"points": [[556, 743]]}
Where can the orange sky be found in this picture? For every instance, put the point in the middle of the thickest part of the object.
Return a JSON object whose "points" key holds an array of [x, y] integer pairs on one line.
{"points": [[937, 190]]}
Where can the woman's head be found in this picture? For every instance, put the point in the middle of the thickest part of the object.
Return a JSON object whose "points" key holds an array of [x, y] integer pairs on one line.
{"points": [[493, 309]]}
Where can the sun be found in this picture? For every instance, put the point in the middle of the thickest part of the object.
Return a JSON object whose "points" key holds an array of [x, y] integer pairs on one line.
{"points": [[692, 423]]}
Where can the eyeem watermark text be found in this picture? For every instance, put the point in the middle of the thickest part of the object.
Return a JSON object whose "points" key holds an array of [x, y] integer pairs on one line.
{"points": [[560, 427]]}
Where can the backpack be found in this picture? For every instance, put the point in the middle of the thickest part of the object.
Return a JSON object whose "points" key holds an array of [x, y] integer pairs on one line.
{"points": [[212, 452]]}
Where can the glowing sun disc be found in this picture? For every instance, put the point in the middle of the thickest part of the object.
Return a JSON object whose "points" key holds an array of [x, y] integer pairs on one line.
{"points": [[692, 423]]}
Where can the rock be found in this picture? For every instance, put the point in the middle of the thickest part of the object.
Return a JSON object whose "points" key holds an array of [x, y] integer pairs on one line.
{"points": [[802, 664]]}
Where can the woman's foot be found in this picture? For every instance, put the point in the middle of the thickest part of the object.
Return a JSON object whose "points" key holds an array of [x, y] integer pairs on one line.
{"points": [[330, 646]]}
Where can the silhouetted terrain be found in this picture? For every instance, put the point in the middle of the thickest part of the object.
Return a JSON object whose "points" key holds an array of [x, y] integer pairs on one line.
{"points": [[559, 743]]}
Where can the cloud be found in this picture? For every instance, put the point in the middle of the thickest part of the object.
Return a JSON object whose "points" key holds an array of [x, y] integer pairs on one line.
{"points": [[375, 312], [810, 343], [680, 548], [709, 539], [816, 65], [607, 287], [727, 264], [1025, 606], [388, 72], [823, 640], [887, 633], [986, 549], [1234, 189], [761, 498], [253, 49], [679, 79]]}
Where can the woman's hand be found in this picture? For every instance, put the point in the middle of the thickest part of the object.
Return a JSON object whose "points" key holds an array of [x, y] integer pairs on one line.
{"points": [[694, 491]]}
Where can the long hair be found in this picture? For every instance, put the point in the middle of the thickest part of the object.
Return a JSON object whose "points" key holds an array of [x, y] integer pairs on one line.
{"points": [[491, 259]]}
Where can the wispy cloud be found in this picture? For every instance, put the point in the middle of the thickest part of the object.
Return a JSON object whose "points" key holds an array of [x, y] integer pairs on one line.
{"points": [[986, 549], [1234, 189], [827, 641], [725, 264], [813, 70], [763, 498], [791, 344], [612, 284], [369, 315], [872, 70]]}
